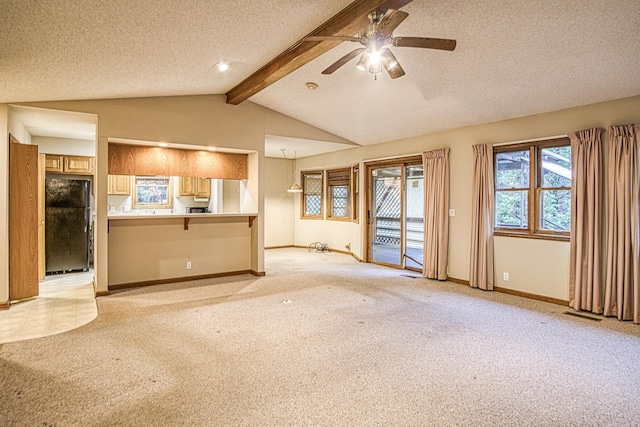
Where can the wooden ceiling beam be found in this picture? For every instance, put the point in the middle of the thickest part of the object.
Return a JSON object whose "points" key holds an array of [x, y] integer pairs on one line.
{"points": [[348, 21]]}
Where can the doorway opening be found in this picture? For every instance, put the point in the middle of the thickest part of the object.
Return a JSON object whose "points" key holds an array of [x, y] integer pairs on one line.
{"points": [[395, 213]]}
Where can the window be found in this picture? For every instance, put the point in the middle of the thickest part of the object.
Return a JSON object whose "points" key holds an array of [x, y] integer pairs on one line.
{"points": [[338, 194], [355, 185], [533, 189], [312, 185], [152, 192]]}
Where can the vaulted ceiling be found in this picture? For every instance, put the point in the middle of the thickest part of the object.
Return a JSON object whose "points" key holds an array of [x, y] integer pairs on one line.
{"points": [[513, 58]]}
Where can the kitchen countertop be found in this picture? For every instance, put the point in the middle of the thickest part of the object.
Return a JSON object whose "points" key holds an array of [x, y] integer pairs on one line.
{"points": [[116, 216]]}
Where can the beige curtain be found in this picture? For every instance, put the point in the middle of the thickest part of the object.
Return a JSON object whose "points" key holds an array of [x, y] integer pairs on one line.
{"points": [[481, 268], [622, 289], [585, 274], [436, 213]]}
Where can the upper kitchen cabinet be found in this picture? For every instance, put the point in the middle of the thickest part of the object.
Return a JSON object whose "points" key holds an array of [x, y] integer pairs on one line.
{"points": [[79, 165], [198, 187], [119, 185], [127, 159]]}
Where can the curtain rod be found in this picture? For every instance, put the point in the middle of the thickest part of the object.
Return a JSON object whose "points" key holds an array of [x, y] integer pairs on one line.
{"points": [[530, 140]]}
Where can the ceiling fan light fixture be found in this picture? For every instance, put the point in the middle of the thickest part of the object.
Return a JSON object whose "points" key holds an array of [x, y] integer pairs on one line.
{"points": [[363, 62], [375, 68]]}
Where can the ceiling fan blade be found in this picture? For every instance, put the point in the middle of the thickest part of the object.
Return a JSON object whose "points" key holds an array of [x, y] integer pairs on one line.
{"points": [[391, 64], [424, 42], [340, 62], [333, 38], [390, 21]]}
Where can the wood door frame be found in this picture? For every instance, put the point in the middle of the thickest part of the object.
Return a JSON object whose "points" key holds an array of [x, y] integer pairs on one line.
{"points": [[401, 162]]}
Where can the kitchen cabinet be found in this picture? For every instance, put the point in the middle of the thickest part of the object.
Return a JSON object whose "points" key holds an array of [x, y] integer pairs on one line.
{"points": [[119, 185], [80, 165], [198, 187]]}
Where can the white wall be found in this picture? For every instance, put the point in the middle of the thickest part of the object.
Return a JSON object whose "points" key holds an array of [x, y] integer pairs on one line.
{"points": [[537, 267], [278, 203], [66, 146]]}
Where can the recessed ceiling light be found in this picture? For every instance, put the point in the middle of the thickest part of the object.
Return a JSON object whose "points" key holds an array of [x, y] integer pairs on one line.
{"points": [[311, 85], [222, 66]]}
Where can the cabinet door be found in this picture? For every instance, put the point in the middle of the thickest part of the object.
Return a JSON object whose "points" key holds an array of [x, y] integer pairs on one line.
{"points": [[119, 185], [78, 164], [203, 187], [54, 163], [188, 186]]}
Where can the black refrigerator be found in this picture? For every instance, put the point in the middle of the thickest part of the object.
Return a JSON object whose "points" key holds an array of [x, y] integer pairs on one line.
{"points": [[66, 225]]}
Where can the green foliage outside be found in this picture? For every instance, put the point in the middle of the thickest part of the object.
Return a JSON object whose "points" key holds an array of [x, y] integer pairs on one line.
{"points": [[511, 207]]}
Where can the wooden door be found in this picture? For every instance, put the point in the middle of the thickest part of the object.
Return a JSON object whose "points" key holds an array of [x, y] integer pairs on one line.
{"points": [[42, 264], [23, 220]]}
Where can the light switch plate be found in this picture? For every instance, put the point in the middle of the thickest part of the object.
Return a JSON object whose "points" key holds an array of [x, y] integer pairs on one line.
{"points": [[452, 212]]}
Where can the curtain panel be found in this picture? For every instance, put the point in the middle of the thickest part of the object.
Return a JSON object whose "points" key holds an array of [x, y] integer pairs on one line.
{"points": [[585, 263], [436, 213], [481, 274], [622, 287]]}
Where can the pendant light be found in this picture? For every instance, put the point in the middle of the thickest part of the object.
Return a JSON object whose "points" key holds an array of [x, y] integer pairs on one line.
{"points": [[295, 188]]}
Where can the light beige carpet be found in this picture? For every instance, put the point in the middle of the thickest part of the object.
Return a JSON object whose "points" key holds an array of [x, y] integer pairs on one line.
{"points": [[324, 340]]}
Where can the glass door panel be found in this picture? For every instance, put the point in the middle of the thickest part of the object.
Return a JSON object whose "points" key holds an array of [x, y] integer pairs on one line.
{"points": [[414, 217], [385, 221]]}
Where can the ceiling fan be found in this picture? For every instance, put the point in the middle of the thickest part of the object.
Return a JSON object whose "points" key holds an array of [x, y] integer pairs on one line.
{"points": [[376, 39]]}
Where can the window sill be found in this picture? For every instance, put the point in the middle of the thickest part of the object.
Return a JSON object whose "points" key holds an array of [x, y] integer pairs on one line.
{"points": [[337, 218], [555, 237]]}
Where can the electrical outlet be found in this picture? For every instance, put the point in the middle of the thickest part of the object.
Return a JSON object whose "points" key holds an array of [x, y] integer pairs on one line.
{"points": [[188, 265], [505, 277]]}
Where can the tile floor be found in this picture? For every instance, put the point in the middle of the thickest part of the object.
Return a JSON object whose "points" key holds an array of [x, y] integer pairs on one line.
{"points": [[66, 301]]}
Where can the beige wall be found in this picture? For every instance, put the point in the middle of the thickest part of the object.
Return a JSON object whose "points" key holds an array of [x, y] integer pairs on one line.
{"points": [[143, 250], [278, 203], [524, 260]]}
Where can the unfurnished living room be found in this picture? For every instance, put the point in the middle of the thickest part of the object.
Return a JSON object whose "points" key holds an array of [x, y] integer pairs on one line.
{"points": [[369, 212]]}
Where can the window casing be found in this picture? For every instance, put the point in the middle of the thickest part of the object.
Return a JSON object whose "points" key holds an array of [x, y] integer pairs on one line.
{"points": [[152, 192], [312, 195], [339, 194], [533, 189], [355, 191]]}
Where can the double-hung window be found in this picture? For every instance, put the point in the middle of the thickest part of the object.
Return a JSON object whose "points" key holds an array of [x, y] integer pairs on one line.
{"points": [[312, 194], [338, 194], [533, 189]]}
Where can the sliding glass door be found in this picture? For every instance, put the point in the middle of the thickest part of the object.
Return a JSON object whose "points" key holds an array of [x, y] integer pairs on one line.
{"points": [[385, 215], [395, 214]]}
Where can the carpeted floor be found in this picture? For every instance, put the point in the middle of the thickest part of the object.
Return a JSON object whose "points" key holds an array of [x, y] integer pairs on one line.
{"points": [[324, 340]]}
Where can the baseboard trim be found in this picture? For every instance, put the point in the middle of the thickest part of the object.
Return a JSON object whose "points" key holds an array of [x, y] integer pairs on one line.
{"points": [[5, 305], [258, 273], [279, 247], [542, 298], [179, 279], [102, 293], [458, 281]]}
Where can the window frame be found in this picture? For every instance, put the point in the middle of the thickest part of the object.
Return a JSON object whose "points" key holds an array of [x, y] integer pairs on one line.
{"points": [[134, 196], [338, 178], [303, 195], [534, 190], [355, 193]]}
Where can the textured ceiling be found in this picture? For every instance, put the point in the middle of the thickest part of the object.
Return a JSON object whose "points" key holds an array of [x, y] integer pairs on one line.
{"points": [[513, 58]]}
